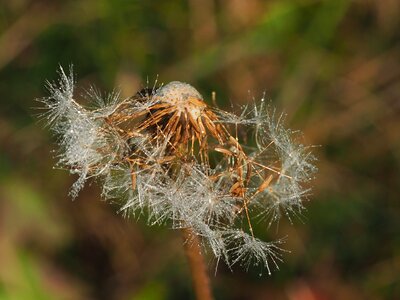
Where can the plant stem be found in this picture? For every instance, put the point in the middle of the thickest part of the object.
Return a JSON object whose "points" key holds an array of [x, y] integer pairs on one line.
{"points": [[201, 281]]}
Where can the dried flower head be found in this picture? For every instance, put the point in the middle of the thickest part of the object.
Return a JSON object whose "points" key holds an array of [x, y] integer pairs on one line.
{"points": [[166, 151]]}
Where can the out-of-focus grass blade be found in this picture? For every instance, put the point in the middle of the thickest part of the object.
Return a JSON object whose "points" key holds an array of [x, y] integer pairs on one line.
{"points": [[153, 291]]}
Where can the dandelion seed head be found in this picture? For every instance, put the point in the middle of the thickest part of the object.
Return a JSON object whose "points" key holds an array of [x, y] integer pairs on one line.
{"points": [[152, 153]]}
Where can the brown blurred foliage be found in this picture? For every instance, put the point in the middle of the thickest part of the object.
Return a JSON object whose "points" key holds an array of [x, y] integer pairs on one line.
{"points": [[332, 66]]}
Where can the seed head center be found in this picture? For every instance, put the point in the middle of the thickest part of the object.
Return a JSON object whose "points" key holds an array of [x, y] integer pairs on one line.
{"points": [[184, 97]]}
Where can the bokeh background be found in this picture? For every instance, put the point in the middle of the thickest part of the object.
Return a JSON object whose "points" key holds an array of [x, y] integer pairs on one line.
{"points": [[333, 66]]}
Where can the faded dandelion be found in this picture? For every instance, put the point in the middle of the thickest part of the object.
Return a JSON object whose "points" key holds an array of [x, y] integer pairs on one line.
{"points": [[166, 152]]}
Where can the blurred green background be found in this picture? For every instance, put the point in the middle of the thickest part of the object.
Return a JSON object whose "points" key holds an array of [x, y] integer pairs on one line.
{"points": [[332, 65]]}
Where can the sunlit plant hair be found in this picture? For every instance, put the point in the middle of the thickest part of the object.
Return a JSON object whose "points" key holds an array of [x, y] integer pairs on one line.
{"points": [[165, 152]]}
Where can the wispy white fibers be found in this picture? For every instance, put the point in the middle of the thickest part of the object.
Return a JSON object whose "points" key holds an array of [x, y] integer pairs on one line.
{"points": [[86, 148]]}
